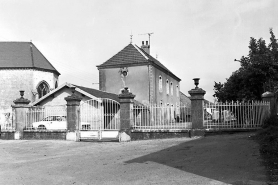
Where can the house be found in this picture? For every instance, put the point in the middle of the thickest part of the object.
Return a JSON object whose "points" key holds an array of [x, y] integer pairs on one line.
{"points": [[23, 67], [145, 76], [185, 100]]}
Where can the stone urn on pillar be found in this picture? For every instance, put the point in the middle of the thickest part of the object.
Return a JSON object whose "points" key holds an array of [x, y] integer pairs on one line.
{"points": [[21, 105], [197, 109], [126, 116]]}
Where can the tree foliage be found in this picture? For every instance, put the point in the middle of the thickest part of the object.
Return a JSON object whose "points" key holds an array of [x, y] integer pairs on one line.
{"points": [[258, 73]]}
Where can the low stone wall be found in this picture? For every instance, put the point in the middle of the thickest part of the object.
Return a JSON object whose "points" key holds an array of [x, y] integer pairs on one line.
{"points": [[7, 135], [229, 131], [158, 134], [44, 134]]}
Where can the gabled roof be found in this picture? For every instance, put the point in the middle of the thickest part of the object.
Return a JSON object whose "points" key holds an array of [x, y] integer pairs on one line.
{"points": [[185, 100], [134, 55], [91, 93], [23, 55], [98, 93]]}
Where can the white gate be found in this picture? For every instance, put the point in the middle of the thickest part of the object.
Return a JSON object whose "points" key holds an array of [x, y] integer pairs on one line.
{"points": [[100, 119], [235, 115]]}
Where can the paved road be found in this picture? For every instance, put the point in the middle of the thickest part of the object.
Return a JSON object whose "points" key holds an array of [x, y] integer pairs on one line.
{"points": [[222, 159]]}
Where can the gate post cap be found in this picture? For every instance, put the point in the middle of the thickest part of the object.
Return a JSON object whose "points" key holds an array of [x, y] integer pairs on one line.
{"points": [[21, 100], [267, 94], [126, 94]]}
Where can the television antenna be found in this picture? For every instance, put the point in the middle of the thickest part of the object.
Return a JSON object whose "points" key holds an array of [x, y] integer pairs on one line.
{"points": [[149, 36]]}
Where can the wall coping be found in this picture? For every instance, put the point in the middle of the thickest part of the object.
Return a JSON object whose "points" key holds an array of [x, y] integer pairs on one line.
{"points": [[161, 130], [2, 131], [51, 131]]}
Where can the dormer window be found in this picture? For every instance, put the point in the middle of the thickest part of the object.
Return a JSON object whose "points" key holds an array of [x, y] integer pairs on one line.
{"points": [[167, 86], [160, 83]]}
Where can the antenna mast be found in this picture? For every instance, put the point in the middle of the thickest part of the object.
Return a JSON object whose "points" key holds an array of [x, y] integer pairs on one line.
{"points": [[149, 37]]}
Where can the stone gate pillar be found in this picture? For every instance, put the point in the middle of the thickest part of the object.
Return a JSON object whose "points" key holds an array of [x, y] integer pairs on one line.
{"points": [[73, 116], [126, 116], [21, 106], [197, 109], [270, 97]]}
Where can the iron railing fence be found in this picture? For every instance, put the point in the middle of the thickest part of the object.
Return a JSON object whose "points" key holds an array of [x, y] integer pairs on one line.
{"points": [[100, 114], [153, 117], [45, 115], [7, 122], [235, 115]]}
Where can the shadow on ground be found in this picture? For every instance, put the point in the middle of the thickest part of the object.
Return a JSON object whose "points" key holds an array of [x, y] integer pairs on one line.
{"points": [[232, 158]]}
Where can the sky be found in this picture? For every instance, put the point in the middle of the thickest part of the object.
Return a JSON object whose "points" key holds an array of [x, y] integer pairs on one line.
{"points": [[192, 38]]}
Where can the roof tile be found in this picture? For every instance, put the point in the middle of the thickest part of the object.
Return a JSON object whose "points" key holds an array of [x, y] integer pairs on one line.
{"points": [[23, 55], [132, 54]]}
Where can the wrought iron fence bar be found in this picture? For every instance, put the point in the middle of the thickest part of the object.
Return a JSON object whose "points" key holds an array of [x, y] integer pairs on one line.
{"points": [[235, 114]]}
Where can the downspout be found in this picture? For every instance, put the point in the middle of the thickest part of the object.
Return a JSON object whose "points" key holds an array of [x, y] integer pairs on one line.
{"points": [[149, 84]]}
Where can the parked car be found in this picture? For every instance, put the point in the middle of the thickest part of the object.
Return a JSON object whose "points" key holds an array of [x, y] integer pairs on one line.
{"points": [[213, 114], [57, 122]]}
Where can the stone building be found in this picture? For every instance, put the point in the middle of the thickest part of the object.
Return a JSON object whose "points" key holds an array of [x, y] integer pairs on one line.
{"points": [[23, 67], [145, 76]]}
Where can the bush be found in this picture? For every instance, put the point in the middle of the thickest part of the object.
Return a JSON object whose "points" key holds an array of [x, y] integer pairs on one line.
{"points": [[268, 139], [271, 121]]}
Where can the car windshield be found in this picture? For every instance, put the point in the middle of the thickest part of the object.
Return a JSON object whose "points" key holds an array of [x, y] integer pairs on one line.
{"points": [[49, 118], [55, 118]]}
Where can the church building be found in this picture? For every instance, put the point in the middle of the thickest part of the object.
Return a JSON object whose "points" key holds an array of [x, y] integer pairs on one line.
{"points": [[23, 67], [145, 76]]}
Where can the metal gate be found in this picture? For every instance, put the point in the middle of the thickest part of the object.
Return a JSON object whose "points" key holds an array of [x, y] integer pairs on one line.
{"points": [[235, 115], [99, 119]]}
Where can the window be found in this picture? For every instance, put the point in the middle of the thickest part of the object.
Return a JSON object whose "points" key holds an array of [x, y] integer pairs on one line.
{"points": [[161, 103], [172, 88], [167, 86], [43, 89], [173, 113], [160, 83], [178, 91]]}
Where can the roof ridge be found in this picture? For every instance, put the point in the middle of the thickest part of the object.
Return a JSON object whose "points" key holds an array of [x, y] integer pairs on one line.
{"points": [[15, 42], [138, 48], [44, 58], [115, 54], [94, 89], [32, 57]]}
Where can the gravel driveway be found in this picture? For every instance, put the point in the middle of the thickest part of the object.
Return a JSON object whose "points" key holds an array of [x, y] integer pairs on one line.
{"points": [[220, 159]]}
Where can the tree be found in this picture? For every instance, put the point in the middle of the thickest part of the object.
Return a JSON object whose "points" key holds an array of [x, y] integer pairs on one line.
{"points": [[258, 73]]}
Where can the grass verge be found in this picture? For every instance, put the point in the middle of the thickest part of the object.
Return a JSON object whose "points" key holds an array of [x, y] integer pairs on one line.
{"points": [[268, 140]]}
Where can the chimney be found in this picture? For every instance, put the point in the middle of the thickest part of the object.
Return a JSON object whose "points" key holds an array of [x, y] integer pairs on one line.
{"points": [[146, 47]]}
